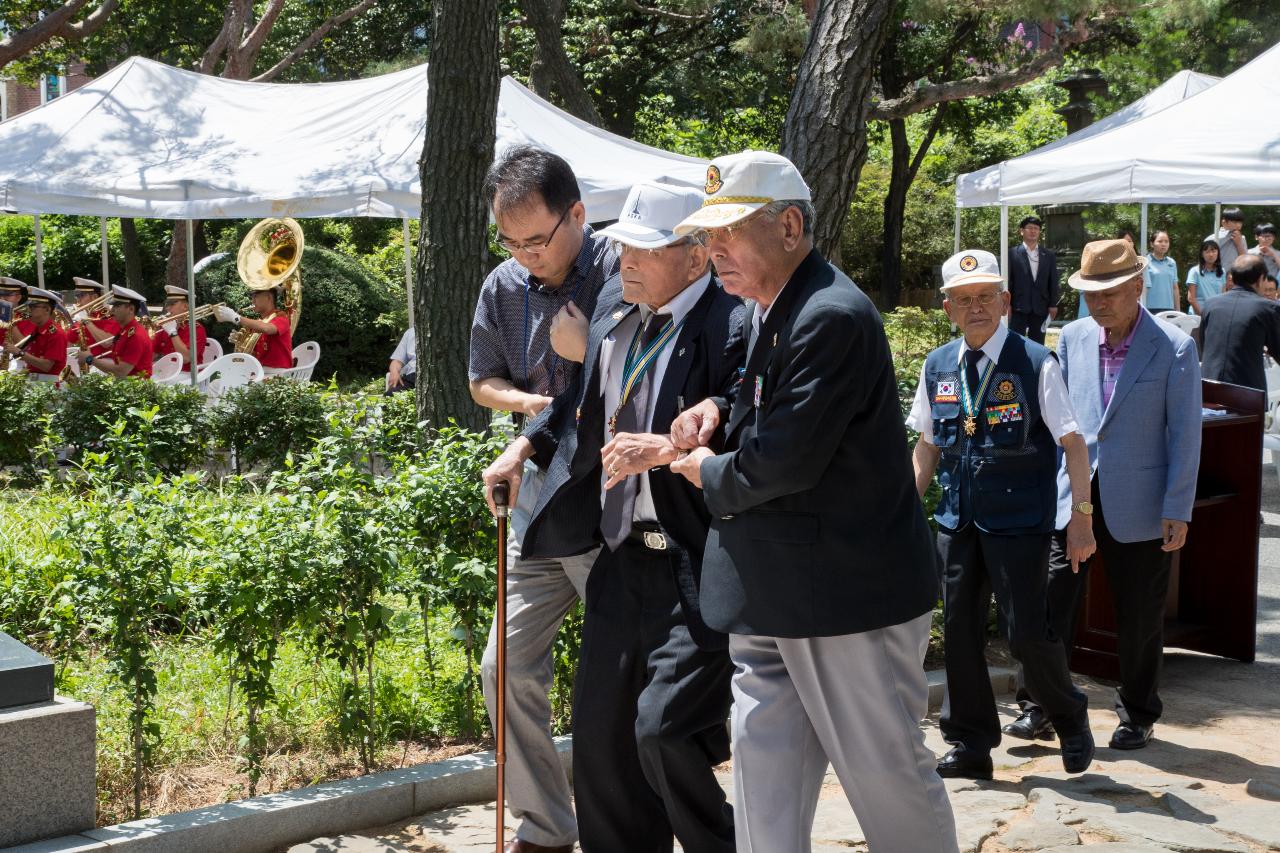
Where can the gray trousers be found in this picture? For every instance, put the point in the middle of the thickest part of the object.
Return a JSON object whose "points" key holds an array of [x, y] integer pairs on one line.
{"points": [[855, 701], [539, 594]]}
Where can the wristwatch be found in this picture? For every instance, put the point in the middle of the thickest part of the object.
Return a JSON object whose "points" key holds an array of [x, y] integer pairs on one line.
{"points": [[88, 359], [1084, 508]]}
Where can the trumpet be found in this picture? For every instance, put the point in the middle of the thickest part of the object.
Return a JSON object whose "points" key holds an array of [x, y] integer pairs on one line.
{"points": [[89, 308], [203, 312]]}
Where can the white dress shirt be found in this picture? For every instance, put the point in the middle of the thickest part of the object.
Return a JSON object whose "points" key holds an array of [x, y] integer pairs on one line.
{"points": [[613, 358], [1033, 258], [1055, 405]]}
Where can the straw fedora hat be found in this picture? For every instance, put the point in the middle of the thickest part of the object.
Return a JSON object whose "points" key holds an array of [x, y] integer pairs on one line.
{"points": [[1106, 263]]}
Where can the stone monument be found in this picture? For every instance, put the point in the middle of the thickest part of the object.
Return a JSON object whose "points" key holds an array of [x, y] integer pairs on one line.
{"points": [[47, 752]]}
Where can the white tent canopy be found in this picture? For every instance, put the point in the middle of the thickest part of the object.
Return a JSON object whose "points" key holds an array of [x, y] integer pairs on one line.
{"points": [[1219, 145], [149, 140], [982, 188]]}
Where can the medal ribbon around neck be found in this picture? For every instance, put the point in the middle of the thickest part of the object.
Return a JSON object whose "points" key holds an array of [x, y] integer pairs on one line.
{"points": [[638, 363], [971, 402]]}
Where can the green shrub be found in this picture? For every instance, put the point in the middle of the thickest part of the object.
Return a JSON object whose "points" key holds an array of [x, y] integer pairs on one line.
{"points": [[176, 440], [23, 419], [72, 246], [263, 422], [341, 300]]}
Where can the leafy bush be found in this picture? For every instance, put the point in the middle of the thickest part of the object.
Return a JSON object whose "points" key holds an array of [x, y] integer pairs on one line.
{"points": [[263, 422], [24, 419], [73, 246], [178, 438], [341, 300]]}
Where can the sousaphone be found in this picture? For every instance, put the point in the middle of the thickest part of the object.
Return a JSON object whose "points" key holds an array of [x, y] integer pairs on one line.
{"points": [[269, 258]]}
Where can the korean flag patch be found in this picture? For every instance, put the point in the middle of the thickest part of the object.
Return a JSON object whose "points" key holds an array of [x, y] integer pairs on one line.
{"points": [[945, 392]]}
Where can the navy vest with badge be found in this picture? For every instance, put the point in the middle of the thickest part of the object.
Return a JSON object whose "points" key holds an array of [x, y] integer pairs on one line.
{"points": [[1004, 476]]}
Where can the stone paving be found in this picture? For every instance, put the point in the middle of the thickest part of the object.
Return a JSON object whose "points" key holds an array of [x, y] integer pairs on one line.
{"points": [[1208, 783]]}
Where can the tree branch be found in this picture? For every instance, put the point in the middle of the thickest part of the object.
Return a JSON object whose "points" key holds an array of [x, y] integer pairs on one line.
{"points": [[247, 54], [216, 48], [935, 124], [50, 26], [677, 16], [932, 94], [313, 39], [92, 22]]}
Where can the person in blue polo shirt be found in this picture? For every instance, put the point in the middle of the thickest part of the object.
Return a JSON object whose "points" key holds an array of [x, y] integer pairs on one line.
{"points": [[991, 410], [1161, 276]]}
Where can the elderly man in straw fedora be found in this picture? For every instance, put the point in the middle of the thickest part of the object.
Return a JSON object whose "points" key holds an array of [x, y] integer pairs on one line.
{"points": [[1135, 385]]}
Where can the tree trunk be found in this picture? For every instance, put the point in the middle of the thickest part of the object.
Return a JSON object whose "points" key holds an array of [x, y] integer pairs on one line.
{"points": [[132, 254], [452, 247], [175, 268], [895, 205], [825, 133], [551, 63]]}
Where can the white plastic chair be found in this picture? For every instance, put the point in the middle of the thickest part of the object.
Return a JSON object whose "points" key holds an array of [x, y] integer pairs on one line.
{"points": [[167, 369], [212, 351], [305, 357], [1272, 371], [227, 372], [1185, 322]]}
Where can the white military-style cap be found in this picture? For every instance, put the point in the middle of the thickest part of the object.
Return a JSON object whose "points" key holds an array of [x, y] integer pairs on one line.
{"points": [[123, 294], [89, 285], [43, 297], [651, 213], [740, 184], [172, 291], [12, 285], [971, 266]]}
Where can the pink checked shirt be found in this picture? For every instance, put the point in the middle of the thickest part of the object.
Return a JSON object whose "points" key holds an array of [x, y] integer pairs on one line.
{"points": [[1111, 360]]}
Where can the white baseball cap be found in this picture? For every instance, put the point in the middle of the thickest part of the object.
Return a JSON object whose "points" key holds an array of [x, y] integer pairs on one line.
{"points": [[651, 213], [971, 266], [740, 184]]}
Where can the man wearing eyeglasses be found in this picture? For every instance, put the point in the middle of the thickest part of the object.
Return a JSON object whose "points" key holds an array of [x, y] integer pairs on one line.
{"points": [[543, 293], [991, 410]]}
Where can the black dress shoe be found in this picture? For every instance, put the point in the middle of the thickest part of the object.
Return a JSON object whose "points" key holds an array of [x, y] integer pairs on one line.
{"points": [[1131, 736], [1077, 751], [1030, 725], [961, 763]]}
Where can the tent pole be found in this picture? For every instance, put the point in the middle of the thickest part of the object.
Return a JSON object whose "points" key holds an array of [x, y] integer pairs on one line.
{"points": [[35, 224], [106, 265], [1142, 247], [957, 234], [1217, 218], [1004, 251], [194, 357], [408, 269]]}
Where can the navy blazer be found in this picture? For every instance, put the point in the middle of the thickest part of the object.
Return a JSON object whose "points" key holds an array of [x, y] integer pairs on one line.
{"points": [[1033, 295], [568, 435], [817, 529], [1234, 327]]}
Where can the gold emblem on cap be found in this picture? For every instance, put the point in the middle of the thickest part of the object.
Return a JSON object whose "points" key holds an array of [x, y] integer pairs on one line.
{"points": [[968, 263], [713, 180], [1005, 391]]}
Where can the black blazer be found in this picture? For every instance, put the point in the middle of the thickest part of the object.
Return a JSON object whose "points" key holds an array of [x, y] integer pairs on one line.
{"points": [[816, 526], [1234, 327], [567, 437], [1033, 295]]}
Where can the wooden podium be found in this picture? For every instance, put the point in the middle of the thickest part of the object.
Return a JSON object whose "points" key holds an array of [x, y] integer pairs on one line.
{"points": [[1212, 604]]}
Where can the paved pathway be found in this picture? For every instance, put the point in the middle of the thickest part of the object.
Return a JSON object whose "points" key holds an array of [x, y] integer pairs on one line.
{"points": [[1209, 782]]}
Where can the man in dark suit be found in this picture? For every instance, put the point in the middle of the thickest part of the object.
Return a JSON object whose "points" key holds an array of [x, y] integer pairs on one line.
{"points": [[652, 693], [1033, 282], [1234, 332], [819, 563]]}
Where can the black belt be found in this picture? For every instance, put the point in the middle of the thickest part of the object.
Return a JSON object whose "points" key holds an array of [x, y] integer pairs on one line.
{"points": [[650, 536]]}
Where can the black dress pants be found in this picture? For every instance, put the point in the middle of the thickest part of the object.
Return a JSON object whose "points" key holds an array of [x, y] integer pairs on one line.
{"points": [[976, 566], [649, 716], [1028, 325], [1138, 573]]}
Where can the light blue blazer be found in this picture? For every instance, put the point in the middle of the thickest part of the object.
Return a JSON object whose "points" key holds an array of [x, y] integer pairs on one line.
{"points": [[1145, 448]]}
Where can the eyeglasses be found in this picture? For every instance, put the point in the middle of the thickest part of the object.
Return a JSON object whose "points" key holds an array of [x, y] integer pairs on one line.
{"points": [[534, 248], [729, 233], [624, 249], [964, 303]]}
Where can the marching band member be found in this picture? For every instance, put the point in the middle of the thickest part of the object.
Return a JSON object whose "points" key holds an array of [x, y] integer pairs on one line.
{"points": [[174, 336], [91, 331], [275, 348], [130, 353], [44, 350], [14, 292]]}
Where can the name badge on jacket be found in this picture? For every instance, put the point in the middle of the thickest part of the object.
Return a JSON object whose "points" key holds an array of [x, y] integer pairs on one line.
{"points": [[759, 393]]}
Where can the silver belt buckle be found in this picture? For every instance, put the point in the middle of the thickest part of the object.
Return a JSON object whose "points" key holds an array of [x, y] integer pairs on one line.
{"points": [[654, 540]]}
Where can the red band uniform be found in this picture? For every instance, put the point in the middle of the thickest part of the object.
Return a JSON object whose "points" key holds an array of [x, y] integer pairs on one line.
{"points": [[276, 351]]}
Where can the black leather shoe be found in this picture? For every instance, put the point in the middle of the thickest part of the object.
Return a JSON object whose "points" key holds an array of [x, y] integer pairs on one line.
{"points": [[1030, 725], [1077, 751], [1131, 736], [961, 763]]}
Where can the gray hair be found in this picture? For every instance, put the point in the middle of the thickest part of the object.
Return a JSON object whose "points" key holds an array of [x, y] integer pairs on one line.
{"points": [[774, 209]]}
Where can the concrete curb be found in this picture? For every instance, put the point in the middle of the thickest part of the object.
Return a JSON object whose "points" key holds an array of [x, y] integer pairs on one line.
{"points": [[275, 821]]}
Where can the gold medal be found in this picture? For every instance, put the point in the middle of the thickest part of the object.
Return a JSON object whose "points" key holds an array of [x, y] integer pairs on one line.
{"points": [[970, 425]]}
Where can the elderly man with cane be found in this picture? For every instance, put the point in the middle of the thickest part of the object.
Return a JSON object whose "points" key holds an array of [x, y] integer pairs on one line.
{"points": [[818, 563], [652, 692]]}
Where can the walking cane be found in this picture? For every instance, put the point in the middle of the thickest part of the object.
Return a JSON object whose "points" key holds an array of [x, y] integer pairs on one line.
{"points": [[501, 496]]}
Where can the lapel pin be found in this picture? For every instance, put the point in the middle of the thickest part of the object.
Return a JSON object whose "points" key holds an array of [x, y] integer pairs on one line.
{"points": [[681, 353], [775, 339], [617, 315]]}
